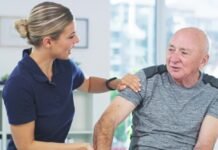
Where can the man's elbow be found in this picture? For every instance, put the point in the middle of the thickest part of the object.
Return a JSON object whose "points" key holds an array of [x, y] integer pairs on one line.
{"points": [[105, 123], [203, 146]]}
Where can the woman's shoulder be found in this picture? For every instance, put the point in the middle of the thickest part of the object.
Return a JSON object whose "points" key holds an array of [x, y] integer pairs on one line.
{"points": [[16, 87], [17, 82]]}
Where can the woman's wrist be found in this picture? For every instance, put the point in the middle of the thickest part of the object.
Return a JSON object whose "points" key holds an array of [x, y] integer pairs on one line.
{"points": [[108, 83]]}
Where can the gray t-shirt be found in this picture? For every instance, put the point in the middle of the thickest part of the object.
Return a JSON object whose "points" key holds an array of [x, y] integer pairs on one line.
{"points": [[168, 116]]}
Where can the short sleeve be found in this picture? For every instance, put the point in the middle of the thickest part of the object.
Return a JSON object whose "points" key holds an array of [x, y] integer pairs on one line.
{"points": [[78, 76], [136, 97], [19, 101], [213, 108]]}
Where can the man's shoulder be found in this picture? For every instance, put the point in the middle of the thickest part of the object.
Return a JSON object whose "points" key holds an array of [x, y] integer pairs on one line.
{"points": [[153, 70], [209, 79]]}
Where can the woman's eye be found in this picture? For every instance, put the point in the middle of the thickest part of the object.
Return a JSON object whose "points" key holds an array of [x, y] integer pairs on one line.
{"points": [[71, 37]]}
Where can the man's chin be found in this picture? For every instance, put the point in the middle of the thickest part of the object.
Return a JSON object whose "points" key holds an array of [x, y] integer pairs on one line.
{"points": [[175, 75]]}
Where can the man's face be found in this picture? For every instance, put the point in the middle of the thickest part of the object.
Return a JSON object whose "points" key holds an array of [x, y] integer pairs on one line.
{"points": [[185, 56]]}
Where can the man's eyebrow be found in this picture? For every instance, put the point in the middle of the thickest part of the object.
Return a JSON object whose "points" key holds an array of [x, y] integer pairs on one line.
{"points": [[182, 48], [172, 46]]}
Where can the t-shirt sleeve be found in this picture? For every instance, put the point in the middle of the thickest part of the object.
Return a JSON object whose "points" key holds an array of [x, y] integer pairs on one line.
{"points": [[19, 101], [78, 76], [213, 108], [136, 97]]}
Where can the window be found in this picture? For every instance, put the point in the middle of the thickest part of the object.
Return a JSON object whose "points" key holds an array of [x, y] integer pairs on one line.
{"points": [[132, 34], [132, 48], [200, 14]]}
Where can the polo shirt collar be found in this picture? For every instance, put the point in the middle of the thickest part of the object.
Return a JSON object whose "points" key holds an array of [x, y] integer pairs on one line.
{"points": [[34, 69]]}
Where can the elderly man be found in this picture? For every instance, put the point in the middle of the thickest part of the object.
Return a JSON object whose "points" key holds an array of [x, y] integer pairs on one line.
{"points": [[177, 107]]}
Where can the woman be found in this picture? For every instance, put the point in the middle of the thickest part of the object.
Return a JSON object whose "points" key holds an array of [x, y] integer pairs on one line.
{"points": [[38, 94]]}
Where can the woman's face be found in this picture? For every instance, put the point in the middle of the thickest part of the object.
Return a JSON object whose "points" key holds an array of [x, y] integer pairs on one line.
{"points": [[61, 48]]}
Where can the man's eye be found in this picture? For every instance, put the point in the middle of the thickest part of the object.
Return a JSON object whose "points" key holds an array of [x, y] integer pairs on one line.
{"points": [[184, 53]]}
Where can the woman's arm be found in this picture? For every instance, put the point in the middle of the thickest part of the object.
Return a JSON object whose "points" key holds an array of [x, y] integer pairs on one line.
{"points": [[23, 136], [93, 85], [98, 85]]}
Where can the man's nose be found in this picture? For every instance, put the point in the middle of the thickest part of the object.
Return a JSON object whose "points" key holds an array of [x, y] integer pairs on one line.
{"points": [[175, 57]]}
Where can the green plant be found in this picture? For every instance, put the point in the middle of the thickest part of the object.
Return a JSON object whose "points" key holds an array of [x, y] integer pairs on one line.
{"points": [[123, 131], [4, 77]]}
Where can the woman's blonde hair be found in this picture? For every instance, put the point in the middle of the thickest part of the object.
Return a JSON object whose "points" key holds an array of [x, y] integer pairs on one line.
{"points": [[46, 19]]}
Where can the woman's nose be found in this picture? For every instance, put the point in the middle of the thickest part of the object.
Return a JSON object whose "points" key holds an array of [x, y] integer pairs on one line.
{"points": [[76, 39]]}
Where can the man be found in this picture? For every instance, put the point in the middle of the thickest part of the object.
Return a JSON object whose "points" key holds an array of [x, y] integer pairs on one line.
{"points": [[177, 107]]}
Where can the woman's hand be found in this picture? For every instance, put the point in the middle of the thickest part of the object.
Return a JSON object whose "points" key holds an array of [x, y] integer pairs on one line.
{"points": [[129, 80], [88, 147]]}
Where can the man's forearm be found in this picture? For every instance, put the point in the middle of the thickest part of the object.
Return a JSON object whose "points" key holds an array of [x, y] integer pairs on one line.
{"points": [[204, 146], [118, 110], [103, 135]]}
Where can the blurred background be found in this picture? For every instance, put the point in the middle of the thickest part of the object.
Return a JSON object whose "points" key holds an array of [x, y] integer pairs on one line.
{"points": [[120, 36]]}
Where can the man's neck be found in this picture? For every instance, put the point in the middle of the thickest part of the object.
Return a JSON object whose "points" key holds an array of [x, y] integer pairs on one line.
{"points": [[190, 81]]}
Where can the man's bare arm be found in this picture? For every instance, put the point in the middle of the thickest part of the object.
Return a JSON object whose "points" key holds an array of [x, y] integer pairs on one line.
{"points": [[118, 110], [208, 134]]}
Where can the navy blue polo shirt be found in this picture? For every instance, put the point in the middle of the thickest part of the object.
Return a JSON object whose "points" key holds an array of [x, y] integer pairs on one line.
{"points": [[29, 95]]}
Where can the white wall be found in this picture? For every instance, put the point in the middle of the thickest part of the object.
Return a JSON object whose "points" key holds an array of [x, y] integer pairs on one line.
{"points": [[94, 60]]}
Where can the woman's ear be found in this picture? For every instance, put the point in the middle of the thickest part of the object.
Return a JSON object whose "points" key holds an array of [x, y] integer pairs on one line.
{"points": [[46, 42]]}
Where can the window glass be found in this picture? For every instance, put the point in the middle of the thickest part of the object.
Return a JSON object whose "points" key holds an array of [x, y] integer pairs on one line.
{"points": [[132, 35], [197, 13], [132, 48]]}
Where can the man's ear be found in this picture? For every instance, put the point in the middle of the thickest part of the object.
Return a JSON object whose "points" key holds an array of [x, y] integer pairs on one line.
{"points": [[204, 61], [47, 41]]}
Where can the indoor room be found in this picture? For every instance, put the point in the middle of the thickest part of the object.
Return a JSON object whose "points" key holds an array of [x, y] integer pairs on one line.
{"points": [[115, 37]]}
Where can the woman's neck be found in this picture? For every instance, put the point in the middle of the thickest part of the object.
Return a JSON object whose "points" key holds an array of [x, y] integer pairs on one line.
{"points": [[44, 61]]}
